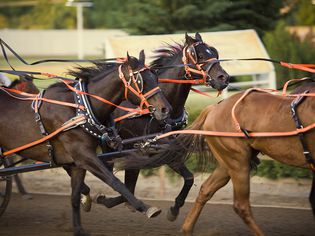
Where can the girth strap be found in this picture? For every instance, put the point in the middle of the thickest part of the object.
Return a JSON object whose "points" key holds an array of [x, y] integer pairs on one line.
{"points": [[308, 156], [36, 104]]}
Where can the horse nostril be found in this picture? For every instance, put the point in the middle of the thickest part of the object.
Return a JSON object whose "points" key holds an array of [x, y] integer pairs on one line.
{"points": [[151, 109], [221, 77], [164, 110]]}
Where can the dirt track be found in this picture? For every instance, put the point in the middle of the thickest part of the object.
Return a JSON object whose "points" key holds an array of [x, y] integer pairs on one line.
{"points": [[50, 215]]}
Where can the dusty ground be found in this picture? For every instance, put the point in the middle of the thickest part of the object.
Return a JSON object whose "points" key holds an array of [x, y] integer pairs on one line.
{"points": [[51, 214]]}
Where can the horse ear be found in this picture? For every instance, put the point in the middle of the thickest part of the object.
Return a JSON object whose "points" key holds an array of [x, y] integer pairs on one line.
{"points": [[189, 40], [198, 37], [128, 57], [142, 57]]}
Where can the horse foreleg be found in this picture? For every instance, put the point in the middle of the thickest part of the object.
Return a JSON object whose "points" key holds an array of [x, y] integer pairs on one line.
{"points": [[215, 181], [312, 195], [77, 179], [86, 200], [131, 177], [96, 168], [188, 177], [240, 178]]}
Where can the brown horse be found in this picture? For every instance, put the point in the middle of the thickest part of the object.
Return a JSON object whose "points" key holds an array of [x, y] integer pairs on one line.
{"points": [[257, 112], [77, 148], [24, 84]]}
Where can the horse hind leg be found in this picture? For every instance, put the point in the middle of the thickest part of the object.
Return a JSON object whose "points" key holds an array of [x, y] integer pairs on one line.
{"points": [[215, 181], [85, 199], [77, 180], [312, 195], [188, 177]]}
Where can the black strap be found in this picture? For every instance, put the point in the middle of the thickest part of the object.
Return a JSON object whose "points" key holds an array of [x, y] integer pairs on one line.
{"points": [[107, 134], [298, 124], [4, 45], [43, 131]]}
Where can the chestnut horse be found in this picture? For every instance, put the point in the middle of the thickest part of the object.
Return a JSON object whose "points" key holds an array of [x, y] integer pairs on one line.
{"points": [[75, 147], [257, 112]]}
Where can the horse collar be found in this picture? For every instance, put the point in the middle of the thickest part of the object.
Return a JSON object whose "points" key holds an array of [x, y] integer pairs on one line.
{"points": [[178, 123], [93, 126]]}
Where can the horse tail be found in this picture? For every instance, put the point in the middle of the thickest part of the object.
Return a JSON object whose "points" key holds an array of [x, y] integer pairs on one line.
{"points": [[174, 149], [312, 195]]}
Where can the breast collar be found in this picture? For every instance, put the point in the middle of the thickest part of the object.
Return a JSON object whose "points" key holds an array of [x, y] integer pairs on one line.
{"points": [[178, 123], [92, 126]]}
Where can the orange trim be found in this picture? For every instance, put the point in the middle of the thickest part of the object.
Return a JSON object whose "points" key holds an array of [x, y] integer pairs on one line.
{"points": [[49, 136], [240, 134], [203, 93], [183, 81], [304, 67]]}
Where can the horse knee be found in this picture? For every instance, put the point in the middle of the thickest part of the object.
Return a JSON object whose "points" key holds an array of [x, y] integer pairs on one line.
{"points": [[189, 181], [204, 195], [243, 210]]}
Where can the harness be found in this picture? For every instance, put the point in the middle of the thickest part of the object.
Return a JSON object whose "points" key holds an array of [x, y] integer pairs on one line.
{"points": [[92, 126], [85, 116], [36, 104], [176, 124], [298, 124]]}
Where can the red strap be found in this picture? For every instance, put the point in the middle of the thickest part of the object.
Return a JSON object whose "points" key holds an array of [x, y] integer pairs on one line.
{"points": [[304, 67]]}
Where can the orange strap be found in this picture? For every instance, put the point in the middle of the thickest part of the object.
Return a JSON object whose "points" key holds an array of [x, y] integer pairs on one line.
{"points": [[102, 99], [49, 136], [182, 81], [304, 67], [32, 97], [240, 134], [205, 94]]}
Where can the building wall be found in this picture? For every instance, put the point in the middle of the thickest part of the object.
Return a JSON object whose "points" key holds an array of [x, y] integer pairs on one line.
{"points": [[57, 42]]}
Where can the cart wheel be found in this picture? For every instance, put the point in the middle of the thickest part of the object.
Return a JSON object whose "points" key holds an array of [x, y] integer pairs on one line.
{"points": [[5, 188]]}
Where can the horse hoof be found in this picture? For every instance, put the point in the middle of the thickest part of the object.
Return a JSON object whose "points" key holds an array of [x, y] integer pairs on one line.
{"points": [[81, 232], [171, 216], [130, 207], [153, 212], [27, 196], [86, 202], [99, 198]]}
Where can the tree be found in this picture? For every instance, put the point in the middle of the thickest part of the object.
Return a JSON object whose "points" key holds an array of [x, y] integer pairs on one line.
{"points": [[164, 16], [283, 46]]}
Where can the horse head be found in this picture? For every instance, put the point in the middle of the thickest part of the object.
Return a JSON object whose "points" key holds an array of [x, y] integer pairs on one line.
{"points": [[143, 87], [206, 60]]}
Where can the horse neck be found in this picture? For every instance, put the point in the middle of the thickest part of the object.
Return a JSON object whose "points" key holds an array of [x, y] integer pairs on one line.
{"points": [[108, 88], [176, 94]]}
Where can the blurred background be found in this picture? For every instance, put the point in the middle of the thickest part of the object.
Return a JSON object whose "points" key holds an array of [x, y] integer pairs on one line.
{"points": [[279, 29]]}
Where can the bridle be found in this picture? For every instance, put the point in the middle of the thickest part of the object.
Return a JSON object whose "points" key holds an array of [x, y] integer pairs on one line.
{"points": [[190, 52], [136, 79]]}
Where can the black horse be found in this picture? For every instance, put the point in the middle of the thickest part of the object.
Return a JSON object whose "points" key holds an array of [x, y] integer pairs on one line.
{"points": [[75, 147], [198, 53]]}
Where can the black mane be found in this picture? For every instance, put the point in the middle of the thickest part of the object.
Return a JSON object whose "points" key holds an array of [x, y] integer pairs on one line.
{"points": [[86, 73], [166, 55]]}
